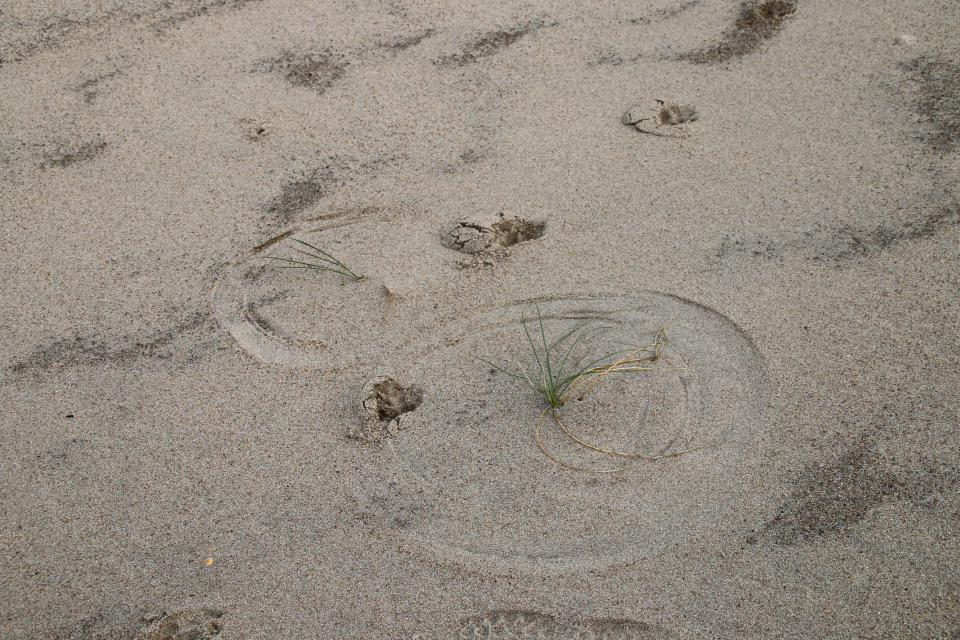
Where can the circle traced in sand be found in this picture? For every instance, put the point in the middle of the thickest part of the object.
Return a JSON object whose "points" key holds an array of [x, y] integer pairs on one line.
{"points": [[469, 482]]}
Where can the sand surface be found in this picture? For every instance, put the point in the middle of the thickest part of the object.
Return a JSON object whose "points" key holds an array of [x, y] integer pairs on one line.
{"points": [[196, 443]]}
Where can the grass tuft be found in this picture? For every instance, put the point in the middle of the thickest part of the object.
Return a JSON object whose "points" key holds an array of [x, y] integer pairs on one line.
{"points": [[560, 375], [323, 261]]}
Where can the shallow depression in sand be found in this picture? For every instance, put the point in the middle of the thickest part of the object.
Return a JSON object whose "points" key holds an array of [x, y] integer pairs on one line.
{"points": [[469, 481]]}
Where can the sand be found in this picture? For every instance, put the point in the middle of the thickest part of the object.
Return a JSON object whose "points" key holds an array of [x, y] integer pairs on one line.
{"points": [[196, 443]]}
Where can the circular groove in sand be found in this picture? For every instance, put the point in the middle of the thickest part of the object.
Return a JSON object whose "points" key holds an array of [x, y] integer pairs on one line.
{"points": [[468, 483]]}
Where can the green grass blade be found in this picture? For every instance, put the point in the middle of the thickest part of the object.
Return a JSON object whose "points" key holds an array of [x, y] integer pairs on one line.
{"points": [[297, 264], [327, 258], [326, 261], [303, 265], [548, 374], [499, 368], [580, 337], [526, 330]]}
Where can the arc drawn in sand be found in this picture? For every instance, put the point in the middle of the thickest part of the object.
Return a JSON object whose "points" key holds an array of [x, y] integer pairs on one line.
{"points": [[319, 319], [467, 483]]}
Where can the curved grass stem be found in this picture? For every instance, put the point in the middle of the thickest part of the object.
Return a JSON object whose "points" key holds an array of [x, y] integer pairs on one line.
{"points": [[645, 459]]}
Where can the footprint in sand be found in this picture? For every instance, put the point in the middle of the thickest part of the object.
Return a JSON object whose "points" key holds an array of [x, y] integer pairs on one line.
{"points": [[193, 624], [523, 625]]}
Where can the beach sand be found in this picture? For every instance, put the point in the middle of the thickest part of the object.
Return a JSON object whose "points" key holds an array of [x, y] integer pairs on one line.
{"points": [[196, 443]]}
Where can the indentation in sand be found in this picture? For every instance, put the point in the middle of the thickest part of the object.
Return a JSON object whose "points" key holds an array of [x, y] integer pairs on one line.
{"points": [[388, 405], [523, 625], [195, 624], [475, 237]]}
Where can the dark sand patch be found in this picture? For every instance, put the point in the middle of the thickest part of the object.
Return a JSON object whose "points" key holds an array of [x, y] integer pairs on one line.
{"points": [[465, 160], [666, 13], [756, 23], [470, 156], [183, 11], [309, 187], [836, 245], [90, 87], [491, 43], [23, 40], [64, 454], [832, 498], [300, 195], [65, 154], [92, 350], [318, 70], [939, 100], [401, 43]]}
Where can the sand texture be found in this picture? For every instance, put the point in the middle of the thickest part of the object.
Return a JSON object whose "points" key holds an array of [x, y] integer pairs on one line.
{"points": [[753, 203]]}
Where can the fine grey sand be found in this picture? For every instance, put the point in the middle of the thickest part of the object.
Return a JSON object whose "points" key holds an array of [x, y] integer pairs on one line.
{"points": [[196, 443]]}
